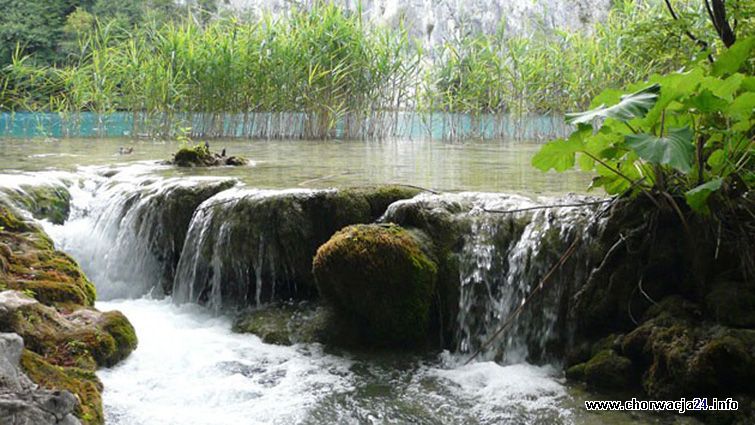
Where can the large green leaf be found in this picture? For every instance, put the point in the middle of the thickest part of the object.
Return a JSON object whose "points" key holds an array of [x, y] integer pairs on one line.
{"points": [[674, 149], [558, 155], [697, 198], [731, 60], [743, 106], [630, 106]]}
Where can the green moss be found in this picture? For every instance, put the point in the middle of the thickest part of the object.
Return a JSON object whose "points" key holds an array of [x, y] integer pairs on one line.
{"points": [[271, 324], [610, 371], [83, 383], [48, 202], [380, 197], [380, 276], [117, 326], [10, 222], [31, 264], [576, 372]]}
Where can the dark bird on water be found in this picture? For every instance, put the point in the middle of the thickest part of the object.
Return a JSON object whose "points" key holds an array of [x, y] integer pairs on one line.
{"points": [[222, 153], [207, 144], [125, 151]]}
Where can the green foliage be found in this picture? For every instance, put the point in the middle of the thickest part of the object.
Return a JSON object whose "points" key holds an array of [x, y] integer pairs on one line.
{"points": [[630, 106], [693, 138], [320, 62], [545, 71]]}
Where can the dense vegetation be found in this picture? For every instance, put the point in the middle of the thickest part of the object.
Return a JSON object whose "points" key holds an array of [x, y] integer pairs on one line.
{"points": [[321, 72], [682, 139]]}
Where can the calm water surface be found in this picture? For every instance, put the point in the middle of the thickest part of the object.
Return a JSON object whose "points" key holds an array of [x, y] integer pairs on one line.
{"points": [[476, 166]]}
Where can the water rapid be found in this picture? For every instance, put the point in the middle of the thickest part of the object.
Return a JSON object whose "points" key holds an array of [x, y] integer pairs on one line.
{"points": [[190, 368]]}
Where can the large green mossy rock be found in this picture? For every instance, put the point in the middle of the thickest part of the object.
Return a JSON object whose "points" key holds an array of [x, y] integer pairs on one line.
{"points": [[45, 201], [29, 262], [380, 276]]}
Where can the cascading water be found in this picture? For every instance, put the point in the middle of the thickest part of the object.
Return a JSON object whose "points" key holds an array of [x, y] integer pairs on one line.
{"points": [[190, 369], [123, 220], [235, 252], [503, 261], [508, 244]]}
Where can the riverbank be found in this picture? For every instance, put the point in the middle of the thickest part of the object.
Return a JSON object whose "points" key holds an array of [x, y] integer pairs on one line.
{"points": [[46, 300]]}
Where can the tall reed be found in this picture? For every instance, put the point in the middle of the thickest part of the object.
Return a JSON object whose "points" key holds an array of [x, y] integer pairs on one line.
{"points": [[320, 72]]}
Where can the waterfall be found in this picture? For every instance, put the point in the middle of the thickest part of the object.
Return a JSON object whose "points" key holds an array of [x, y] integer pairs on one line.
{"points": [[247, 247], [125, 226], [502, 257], [212, 242]]}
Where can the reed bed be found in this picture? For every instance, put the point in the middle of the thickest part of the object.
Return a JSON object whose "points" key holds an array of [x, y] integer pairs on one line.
{"points": [[320, 73]]}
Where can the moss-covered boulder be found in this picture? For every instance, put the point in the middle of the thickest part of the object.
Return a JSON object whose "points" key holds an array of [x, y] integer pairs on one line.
{"points": [[84, 338], [47, 300], [29, 262], [382, 277], [609, 370], [81, 382], [45, 200], [200, 156]]}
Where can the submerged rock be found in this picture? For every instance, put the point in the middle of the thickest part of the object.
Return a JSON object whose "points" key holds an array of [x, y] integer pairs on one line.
{"points": [[381, 277], [293, 323], [247, 247], [200, 156], [23, 402]]}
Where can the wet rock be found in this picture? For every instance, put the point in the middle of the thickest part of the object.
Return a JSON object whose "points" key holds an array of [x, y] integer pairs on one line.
{"points": [[23, 402], [292, 323], [687, 358], [163, 218], [200, 156], [608, 370], [248, 247], [45, 200], [381, 277], [29, 262], [489, 261]]}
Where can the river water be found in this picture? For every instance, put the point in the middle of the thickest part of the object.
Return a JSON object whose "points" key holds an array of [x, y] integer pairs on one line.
{"points": [[190, 368]]}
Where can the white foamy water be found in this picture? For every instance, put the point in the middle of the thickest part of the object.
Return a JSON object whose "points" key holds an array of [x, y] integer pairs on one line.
{"points": [[190, 369]]}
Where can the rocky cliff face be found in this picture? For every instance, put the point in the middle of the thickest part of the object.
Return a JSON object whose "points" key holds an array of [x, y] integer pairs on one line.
{"points": [[435, 21]]}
